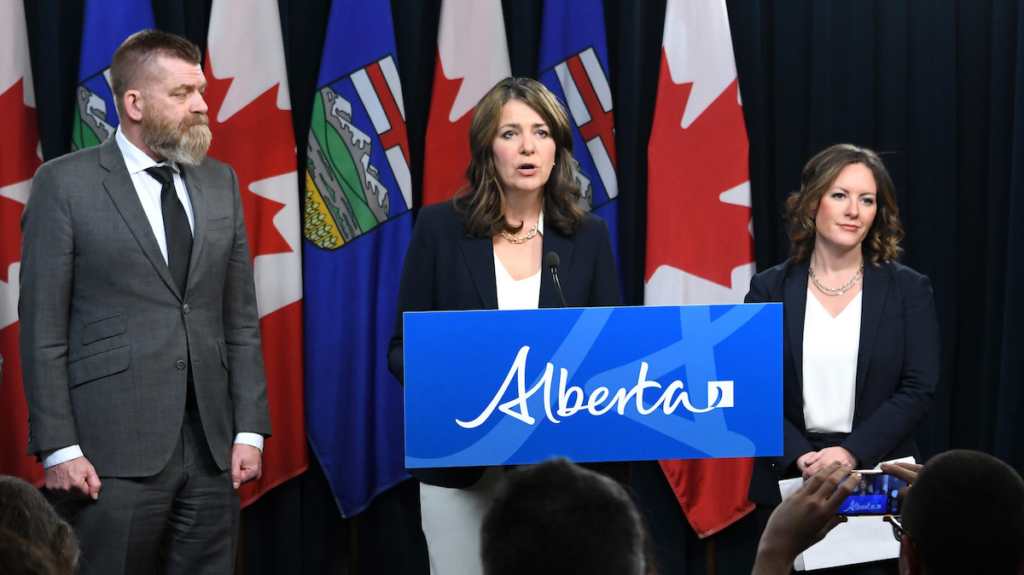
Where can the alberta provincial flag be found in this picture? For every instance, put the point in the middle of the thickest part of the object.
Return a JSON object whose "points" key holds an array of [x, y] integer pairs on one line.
{"points": [[251, 121], [699, 244], [472, 57], [20, 156], [357, 225], [574, 66], [107, 25]]}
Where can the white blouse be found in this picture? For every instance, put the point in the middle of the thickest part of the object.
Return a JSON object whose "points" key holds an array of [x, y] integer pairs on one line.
{"points": [[830, 365], [522, 294]]}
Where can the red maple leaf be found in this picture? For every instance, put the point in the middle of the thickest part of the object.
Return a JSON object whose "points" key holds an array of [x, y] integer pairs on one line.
{"points": [[446, 155], [18, 162], [14, 415], [10, 236], [285, 454], [688, 227], [258, 141]]}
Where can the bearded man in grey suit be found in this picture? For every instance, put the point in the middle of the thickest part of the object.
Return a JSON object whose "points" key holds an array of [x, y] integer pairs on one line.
{"points": [[140, 337]]}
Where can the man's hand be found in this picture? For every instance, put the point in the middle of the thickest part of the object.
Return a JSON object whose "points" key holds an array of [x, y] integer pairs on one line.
{"points": [[246, 464], [73, 479], [814, 462], [804, 518]]}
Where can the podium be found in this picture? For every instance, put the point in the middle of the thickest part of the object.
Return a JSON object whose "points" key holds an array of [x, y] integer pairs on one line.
{"points": [[592, 384]]}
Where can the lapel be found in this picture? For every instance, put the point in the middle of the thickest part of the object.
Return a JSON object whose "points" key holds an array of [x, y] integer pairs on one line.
{"points": [[196, 195], [479, 254], [876, 286], [795, 305], [561, 245], [122, 192]]}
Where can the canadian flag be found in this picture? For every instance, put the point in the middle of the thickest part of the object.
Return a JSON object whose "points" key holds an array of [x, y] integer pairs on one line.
{"points": [[699, 237], [20, 155], [251, 120], [472, 56]]}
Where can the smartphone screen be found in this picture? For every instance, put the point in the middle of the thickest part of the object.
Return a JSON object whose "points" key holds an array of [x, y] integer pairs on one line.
{"points": [[876, 494]]}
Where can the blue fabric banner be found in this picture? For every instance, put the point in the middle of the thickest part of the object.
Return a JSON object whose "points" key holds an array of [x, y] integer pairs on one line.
{"points": [[574, 65], [107, 24], [357, 229], [597, 384]]}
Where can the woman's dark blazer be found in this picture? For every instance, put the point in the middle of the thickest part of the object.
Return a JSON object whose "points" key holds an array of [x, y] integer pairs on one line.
{"points": [[447, 270], [897, 366]]}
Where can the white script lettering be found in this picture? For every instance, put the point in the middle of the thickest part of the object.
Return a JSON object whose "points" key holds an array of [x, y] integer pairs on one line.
{"points": [[570, 400]]}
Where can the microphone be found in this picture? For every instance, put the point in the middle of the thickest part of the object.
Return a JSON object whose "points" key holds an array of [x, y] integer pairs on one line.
{"points": [[551, 260]]}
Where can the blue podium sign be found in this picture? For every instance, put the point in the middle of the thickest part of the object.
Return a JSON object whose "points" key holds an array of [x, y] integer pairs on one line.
{"points": [[593, 384]]}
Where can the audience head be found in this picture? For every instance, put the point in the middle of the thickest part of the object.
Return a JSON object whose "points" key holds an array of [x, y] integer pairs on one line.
{"points": [[558, 518], [882, 241], [964, 514], [483, 201], [21, 557], [28, 515]]}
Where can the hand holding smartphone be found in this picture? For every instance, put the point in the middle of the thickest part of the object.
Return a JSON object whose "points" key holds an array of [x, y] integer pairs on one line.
{"points": [[876, 494]]}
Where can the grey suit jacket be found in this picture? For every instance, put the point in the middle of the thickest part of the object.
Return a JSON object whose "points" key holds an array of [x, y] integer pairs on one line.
{"points": [[105, 335]]}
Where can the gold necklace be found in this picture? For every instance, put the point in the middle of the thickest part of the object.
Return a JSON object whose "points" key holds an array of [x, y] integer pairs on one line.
{"points": [[518, 240], [839, 290]]}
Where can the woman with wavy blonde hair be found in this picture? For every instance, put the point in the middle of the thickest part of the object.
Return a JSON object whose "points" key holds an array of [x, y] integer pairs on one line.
{"points": [[861, 338]]}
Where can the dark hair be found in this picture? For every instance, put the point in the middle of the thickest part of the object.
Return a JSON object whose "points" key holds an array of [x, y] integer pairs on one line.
{"points": [[25, 512], [557, 518], [131, 62], [482, 201], [21, 557], [965, 514], [820, 173]]}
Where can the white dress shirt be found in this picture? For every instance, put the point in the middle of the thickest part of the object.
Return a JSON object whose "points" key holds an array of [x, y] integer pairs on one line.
{"points": [[830, 365], [522, 294], [148, 189]]}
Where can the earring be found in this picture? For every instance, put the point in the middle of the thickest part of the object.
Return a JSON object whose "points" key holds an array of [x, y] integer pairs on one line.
{"points": [[553, 163]]}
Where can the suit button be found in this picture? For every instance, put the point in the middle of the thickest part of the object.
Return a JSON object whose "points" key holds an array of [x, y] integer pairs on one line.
{"points": [[180, 364], [185, 308]]}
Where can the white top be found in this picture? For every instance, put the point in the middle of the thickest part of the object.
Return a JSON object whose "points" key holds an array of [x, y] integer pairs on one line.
{"points": [[522, 294], [830, 365], [148, 189]]}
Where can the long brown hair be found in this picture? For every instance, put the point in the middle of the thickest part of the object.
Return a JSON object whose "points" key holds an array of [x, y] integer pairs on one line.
{"points": [[482, 201], [820, 173]]}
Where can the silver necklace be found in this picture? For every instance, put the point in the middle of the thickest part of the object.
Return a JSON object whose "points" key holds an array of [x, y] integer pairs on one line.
{"points": [[839, 290], [518, 240]]}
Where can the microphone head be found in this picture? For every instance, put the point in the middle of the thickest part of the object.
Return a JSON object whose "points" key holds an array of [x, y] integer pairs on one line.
{"points": [[551, 260]]}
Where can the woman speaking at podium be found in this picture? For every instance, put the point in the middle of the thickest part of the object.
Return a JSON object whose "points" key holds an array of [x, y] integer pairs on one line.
{"points": [[485, 250], [861, 338]]}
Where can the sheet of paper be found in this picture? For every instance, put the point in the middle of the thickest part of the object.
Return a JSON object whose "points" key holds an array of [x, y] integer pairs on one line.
{"points": [[859, 540]]}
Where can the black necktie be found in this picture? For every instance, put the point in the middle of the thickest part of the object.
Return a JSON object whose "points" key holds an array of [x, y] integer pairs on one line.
{"points": [[176, 228]]}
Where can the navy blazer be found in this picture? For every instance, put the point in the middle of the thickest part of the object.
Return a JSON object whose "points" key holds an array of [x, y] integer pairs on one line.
{"points": [[445, 269], [897, 366]]}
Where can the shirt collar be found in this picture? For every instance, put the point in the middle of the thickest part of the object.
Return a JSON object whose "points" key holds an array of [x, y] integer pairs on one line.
{"points": [[135, 160], [540, 223]]}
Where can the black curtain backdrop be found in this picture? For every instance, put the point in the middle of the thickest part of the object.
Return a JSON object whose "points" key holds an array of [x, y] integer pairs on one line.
{"points": [[937, 86]]}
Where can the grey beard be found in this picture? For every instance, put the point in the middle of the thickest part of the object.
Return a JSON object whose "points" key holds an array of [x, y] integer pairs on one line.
{"points": [[186, 147]]}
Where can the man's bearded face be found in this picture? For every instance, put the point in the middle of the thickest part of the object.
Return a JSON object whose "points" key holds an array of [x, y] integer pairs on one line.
{"points": [[183, 141]]}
